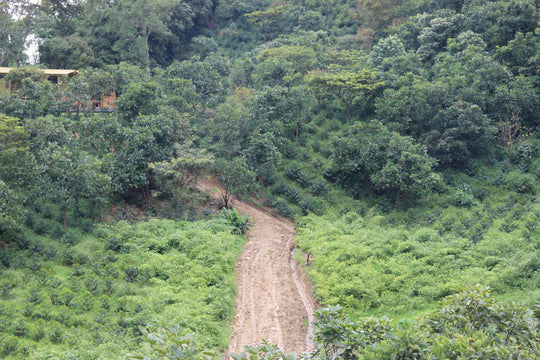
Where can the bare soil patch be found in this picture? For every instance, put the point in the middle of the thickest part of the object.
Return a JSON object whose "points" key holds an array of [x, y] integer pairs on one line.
{"points": [[274, 301]]}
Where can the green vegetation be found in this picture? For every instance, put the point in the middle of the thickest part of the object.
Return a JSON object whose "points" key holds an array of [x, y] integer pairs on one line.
{"points": [[401, 264], [470, 324], [86, 295], [402, 136]]}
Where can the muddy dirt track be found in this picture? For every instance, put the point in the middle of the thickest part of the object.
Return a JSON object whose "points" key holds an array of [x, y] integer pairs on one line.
{"points": [[273, 301]]}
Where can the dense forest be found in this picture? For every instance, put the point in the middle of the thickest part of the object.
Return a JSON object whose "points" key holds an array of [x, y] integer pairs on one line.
{"points": [[402, 136]]}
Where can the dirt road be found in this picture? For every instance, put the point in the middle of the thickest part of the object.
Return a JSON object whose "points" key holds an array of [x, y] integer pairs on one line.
{"points": [[273, 301]]}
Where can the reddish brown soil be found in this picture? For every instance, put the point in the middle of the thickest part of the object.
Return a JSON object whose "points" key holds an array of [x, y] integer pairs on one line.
{"points": [[274, 300]]}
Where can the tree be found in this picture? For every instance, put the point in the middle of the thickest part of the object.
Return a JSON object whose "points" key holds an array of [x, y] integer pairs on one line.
{"points": [[433, 38], [372, 157], [142, 19], [393, 62], [301, 59], [352, 89], [269, 20], [100, 27], [408, 170], [61, 17], [31, 98], [410, 109], [300, 101], [236, 178], [15, 156], [138, 99], [17, 20], [70, 52], [181, 173], [207, 77], [521, 54], [511, 134], [72, 174], [377, 14], [231, 127], [11, 209], [459, 133], [470, 324], [263, 157], [146, 139]]}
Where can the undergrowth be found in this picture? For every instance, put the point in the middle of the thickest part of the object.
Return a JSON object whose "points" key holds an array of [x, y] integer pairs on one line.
{"points": [[86, 296]]}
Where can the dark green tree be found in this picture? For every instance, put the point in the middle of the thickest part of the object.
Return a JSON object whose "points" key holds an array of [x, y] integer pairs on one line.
{"points": [[17, 22], [138, 99], [263, 157], [369, 157], [459, 133], [236, 177], [70, 52]]}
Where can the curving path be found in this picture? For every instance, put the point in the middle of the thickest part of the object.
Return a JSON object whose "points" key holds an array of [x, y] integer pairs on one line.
{"points": [[273, 300]]}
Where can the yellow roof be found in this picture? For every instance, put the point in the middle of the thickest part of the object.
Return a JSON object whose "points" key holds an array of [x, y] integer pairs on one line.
{"points": [[48, 72]]}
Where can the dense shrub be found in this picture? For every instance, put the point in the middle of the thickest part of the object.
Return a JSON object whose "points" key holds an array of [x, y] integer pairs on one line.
{"points": [[520, 182], [463, 196]]}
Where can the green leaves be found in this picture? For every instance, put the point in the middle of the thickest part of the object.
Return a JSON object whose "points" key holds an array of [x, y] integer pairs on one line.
{"points": [[168, 343], [371, 156], [263, 351], [236, 177], [240, 224], [350, 88]]}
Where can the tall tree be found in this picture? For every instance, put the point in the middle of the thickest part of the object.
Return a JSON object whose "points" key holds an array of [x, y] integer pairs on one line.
{"points": [[142, 19], [352, 89], [15, 157], [60, 17], [72, 174], [17, 22], [511, 133], [264, 157], [377, 14], [236, 178]]}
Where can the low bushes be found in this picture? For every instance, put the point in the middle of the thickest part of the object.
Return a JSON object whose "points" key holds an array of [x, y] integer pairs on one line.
{"points": [[87, 300]]}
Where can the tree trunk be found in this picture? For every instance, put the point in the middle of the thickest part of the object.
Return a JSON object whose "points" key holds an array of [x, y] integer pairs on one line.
{"points": [[65, 218], [400, 196], [146, 189]]}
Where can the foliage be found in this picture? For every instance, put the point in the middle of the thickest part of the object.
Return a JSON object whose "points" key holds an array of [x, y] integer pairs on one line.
{"points": [[283, 93], [398, 264], [263, 156], [236, 178], [369, 155], [167, 343], [263, 351], [240, 224], [350, 88], [470, 323], [10, 209], [87, 300], [180, 174]]}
